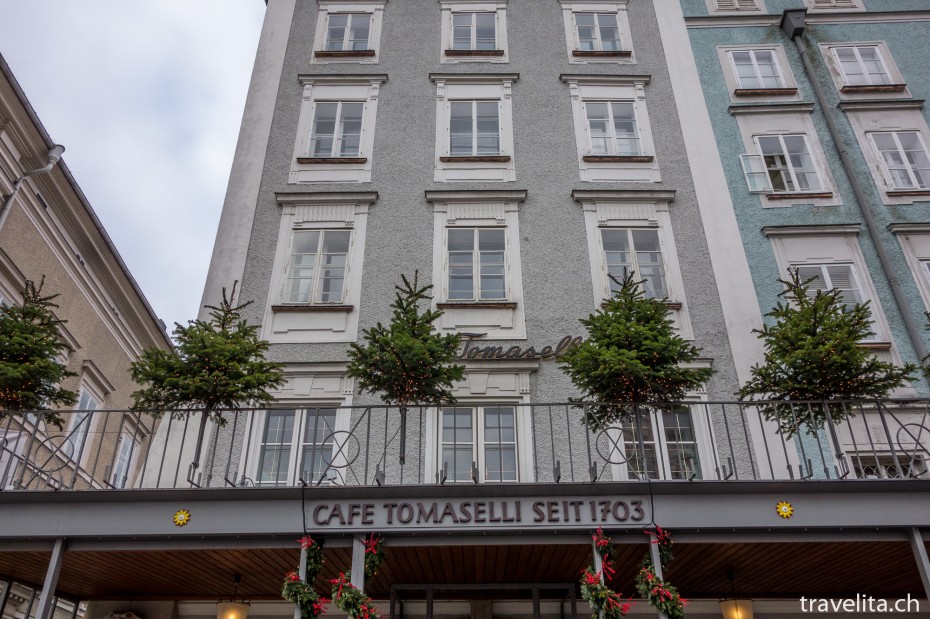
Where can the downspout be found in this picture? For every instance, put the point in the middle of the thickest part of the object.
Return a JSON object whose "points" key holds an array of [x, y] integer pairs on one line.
{"points": [[54, 154], [792, 23]]}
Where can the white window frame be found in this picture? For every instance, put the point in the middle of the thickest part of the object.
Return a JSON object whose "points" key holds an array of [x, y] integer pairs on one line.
{"points": [[619, 8], [287, 322], [912, 176], [596, 168], [478, 294], [121, 467], [856, 49], [478, 444], [475, 134], [703, 443], [497, 7], [375, 8], [895, 89], [631, 210], [302, 413], [80, 423], [315, 294], [474, 87], [497, 318], [892, 116], [788, 91], [792, 171], [833, 245], [834, 5], [915, 243], [715, 7], [305, 167], [775, 120]]}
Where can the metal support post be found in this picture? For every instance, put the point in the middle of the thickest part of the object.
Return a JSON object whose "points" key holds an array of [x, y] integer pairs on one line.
{"points": [[923, 563], [358, 563], [657, 565], [44, 611], [302, 572], [7, 585]]}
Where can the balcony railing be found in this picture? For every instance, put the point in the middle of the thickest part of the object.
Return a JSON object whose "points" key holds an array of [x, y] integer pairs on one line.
{"points": [[462, 444]]}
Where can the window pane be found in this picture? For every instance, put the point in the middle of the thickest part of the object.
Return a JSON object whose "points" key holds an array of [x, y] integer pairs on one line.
{"points": [[916, 157], [776, 163], [491, 256], [457, 443], [499, 445], [625, 129], [873, 66], [335, 32], [461, 127], [587, 31], [461, 30], [610, 33], [303, 261], [334, 258], [358, 33], [485, 31], [681, 443], [351, 129], [801, 163], [765, 65], [317, 443], [488, 128], [849, 65], [324, 129], [649, 261], [461, 264], [641, 458], [745, 70], [616, 254], [275, 452], [599, 127]]}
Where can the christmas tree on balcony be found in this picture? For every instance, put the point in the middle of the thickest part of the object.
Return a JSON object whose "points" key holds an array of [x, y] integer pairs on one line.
{"points": [[632, 356], [813, 355]]}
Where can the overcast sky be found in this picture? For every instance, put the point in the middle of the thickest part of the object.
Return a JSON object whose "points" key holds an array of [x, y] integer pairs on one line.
{"points": [[147, 97]]}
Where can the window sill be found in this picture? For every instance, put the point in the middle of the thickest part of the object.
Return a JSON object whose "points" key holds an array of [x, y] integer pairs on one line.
{"points": [[908, 192], [584, 53], [477, 305], [764, 92], [477, 159], [356, 53], [794, 195], [618, 158], [474, 53], [875, 345], [338, 160], [878, 88], [312, 308], [671, 305]]}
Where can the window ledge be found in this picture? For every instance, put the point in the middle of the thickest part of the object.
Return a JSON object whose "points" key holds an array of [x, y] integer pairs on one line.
{"points": [[339, 160], [764, 92], [477, 159], [875, 88], [618, 158], [908, 192], [875, 345], [671, 305], [469, 53], [355, 53], [477, 305], [799, 195], [585, 53], [312, 308]]}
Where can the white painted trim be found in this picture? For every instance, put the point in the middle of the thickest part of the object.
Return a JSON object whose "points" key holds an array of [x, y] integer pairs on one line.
{"points": [[498, 7], [915, 243], [374, 7], [233, 233], [570, 7], [724, 55]]}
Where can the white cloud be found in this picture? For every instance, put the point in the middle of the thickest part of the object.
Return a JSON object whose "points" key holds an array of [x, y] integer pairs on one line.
{"points": [[147, 98]]}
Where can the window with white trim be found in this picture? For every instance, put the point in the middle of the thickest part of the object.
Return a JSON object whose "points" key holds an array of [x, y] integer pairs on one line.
{"points": [[478, 444], [632, 231], [476, 262], [126, 455], [861, 65], [474, 127], [671, 447], [756, 68], [474, 31], [79, 424], [612, 130], [597, 31], [296, 444], [348, 31], [335, 129], [726, 6], [904, 158], [915, 243], [788, 163], [835, 5], [757, 72], [864, 70], [315, 286]]}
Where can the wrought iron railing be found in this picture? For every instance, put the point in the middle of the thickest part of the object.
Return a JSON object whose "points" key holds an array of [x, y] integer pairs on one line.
{"points": [[465, 443]]}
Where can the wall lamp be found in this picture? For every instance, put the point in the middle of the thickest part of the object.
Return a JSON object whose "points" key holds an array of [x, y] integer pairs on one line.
{"points": [[733, 608]]}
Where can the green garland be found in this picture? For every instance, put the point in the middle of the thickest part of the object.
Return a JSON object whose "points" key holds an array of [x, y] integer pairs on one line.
{"points": [[661, 595], [604, 601], [345, 596]]}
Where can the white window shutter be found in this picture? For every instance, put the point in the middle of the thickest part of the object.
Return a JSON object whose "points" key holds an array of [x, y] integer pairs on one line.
{"points": [[835, 4], [736, 5], [757, 177]]}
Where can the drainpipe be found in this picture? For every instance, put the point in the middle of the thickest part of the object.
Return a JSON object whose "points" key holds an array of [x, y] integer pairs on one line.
{"points": [[792, 23], [54, 154]]}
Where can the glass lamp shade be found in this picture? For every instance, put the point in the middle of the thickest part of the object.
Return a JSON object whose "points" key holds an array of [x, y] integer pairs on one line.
{"points": [[736, 609], [233, 610]]}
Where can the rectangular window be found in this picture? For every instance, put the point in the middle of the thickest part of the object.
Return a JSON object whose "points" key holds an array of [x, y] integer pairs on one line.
{"points": [[904, 158], [674, 447], [835, 4], [316, 271], [612, 128], [474, 128], [125, 456], [597, 32], [829, 276], [756, 69], [295, 445], [484, 438], [635, 250], [347, 32], [789, 163], [474, 31], [862, 65], [735, 5], [80, 424], [477, 266], [882, 466], [337, 129]]}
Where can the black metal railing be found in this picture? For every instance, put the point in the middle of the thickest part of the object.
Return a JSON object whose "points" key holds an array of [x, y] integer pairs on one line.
{"points": [[465, 443]]}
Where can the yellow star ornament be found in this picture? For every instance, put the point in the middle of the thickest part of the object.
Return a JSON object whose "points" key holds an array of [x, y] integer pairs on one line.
{"points": [[181, 517], [784, 509]]}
